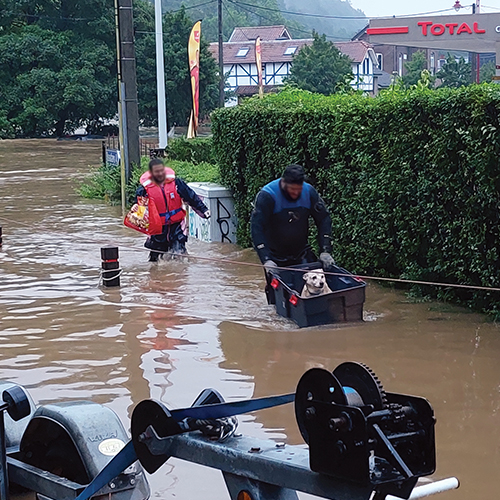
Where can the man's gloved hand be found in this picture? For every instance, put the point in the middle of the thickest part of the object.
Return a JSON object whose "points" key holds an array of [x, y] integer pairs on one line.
{"points": [[269, 265], [327, 260], [207, 214]]}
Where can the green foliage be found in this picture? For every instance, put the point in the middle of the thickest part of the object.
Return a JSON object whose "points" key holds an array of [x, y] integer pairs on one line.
{"points": [[414, 68], [58, 66], [487, 72], [176, 29], [54, 75], [455, 73], [320, 67], [411, 177], [103, 183], [339, 28], [195, 151], [236, 15]]}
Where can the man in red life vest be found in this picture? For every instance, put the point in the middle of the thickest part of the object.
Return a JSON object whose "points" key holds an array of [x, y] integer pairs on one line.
{"points": [[169, 192]]}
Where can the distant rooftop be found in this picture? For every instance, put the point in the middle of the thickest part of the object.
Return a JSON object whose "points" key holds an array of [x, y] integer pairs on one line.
{"points": [[278, 51], [355, 49], [282, 51], [266, 33]]}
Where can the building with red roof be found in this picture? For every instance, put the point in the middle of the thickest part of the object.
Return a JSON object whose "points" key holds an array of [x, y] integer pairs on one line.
{"points": [[278, 50]]}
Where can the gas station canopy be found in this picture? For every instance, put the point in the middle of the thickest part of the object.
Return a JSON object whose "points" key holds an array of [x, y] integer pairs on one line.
{"points": [[471, 33]]}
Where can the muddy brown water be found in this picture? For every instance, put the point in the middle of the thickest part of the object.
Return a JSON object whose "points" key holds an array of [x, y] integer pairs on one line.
{"points": [[175, 328]]}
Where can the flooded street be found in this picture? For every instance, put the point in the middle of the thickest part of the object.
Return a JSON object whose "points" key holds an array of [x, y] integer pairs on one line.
{"points": [[174, 328]]}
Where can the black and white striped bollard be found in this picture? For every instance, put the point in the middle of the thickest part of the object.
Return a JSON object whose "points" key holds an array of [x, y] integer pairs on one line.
{"points": [[110, 273]]}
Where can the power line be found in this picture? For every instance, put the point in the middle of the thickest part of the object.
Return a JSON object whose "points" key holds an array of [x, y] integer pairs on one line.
{"points": [[324, 16], [86, 19], [228, 12], [293, 29]]}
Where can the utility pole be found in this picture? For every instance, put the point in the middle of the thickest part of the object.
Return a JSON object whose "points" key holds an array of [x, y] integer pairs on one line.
{"points": [[160, 78], [127, 87], [478, 57], [221, 56]]}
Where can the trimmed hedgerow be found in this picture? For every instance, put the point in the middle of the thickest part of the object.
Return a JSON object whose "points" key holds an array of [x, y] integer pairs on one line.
{"points": [[412, 178], [195, 151]]}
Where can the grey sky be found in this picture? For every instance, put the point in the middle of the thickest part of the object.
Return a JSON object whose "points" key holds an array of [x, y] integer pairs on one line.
{"points": [[375, 8]]}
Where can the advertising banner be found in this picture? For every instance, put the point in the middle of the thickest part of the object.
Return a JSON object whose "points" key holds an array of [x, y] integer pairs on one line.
{"points": [[194, 71]]}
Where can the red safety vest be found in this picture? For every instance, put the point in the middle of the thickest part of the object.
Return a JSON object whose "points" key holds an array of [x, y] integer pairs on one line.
{"points": [[166, 198]]}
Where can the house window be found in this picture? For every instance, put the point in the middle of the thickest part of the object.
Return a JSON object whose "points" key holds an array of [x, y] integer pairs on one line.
{"points": [[242, 52], [380, 61], [366, 66], [290, 51]]}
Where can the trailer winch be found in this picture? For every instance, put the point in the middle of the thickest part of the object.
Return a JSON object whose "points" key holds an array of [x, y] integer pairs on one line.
{"points": [[363, 443], [358, 432]]}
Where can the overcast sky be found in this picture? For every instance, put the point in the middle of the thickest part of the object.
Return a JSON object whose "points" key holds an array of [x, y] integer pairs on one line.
{"points": [[375, 8]]}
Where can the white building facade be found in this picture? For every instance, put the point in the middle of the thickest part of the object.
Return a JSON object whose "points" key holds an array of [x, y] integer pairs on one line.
{"points": [[277, 59]]}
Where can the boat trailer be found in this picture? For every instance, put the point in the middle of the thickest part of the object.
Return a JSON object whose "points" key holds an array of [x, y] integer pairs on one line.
{"points": [[363, 444]]}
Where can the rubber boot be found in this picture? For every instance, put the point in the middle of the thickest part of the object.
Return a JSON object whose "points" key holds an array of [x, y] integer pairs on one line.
{"points": [[153, 256]]}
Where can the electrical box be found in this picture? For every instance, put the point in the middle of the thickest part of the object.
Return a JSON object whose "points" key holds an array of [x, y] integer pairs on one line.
{"points": [[221, 227]]}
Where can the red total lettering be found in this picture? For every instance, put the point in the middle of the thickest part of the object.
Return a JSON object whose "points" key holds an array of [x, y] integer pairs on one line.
{"points": [[451, 27], [477, 30], [464, 28], [424, 25], [437, 29]]}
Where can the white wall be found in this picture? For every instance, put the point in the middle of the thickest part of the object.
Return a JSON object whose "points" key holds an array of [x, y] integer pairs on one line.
{"points": [[244, 74]]}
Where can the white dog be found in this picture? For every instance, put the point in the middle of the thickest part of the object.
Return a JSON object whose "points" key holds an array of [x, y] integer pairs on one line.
{"points": [[315, 283]]}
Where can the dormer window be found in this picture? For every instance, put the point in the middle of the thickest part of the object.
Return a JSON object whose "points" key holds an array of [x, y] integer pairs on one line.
{"points": [[242, 52]]}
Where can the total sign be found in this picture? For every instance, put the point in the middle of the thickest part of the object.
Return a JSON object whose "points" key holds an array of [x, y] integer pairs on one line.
{"points": [[472, 33]]}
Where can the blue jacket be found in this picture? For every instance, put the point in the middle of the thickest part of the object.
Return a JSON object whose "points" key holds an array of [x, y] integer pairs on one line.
{"points": [[280, 225]]}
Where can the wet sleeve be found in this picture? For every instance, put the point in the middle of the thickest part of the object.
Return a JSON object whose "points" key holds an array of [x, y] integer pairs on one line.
{"points": [[190, 197], [140, 191], [323, 222], [261, 216]]}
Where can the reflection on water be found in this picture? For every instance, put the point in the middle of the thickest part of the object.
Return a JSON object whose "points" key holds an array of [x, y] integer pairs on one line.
{"points": [[175, 328]]}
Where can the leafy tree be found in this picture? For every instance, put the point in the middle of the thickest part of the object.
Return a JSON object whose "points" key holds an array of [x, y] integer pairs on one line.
{"points": [[320, 67], [487, 72], [52, 82], [57, 65], [176, 29], [245, 14], [414, 68], [341, 29], [455, 73]]}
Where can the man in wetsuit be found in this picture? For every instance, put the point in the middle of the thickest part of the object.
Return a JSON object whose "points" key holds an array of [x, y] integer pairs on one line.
{"points": [[280, 222], [168, 193]]}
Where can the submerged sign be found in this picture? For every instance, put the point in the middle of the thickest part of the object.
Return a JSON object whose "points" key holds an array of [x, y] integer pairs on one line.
{"points": [[472, 33]]}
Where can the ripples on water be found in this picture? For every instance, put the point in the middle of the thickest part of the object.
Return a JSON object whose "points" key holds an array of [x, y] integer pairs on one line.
{"points": [[175, 328]]}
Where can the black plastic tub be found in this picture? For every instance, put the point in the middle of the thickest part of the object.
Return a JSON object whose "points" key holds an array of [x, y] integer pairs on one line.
{"points": [[343, 304]]}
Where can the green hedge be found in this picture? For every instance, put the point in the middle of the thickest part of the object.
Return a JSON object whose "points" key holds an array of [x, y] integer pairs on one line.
{"points": [[412, 178], [195, 151]]}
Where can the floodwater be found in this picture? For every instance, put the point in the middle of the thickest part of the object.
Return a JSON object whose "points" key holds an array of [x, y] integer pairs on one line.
{"points": [[174, 328]]}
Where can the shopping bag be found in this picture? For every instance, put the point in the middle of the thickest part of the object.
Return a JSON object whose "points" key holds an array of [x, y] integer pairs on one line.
{"points": [[144, 217]]}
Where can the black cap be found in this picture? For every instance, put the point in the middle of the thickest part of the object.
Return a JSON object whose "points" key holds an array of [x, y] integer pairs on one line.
{"points": [[294, 174]]}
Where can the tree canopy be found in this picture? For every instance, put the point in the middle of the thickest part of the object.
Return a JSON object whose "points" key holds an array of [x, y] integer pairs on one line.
{"points": [[414, 68], [58, 66], [176, 29], [320, 67], [455, 73]]}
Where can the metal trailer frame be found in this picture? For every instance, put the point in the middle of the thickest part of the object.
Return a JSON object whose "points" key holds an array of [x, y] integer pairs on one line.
{"points": [[264, 469], [267, 470]]}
